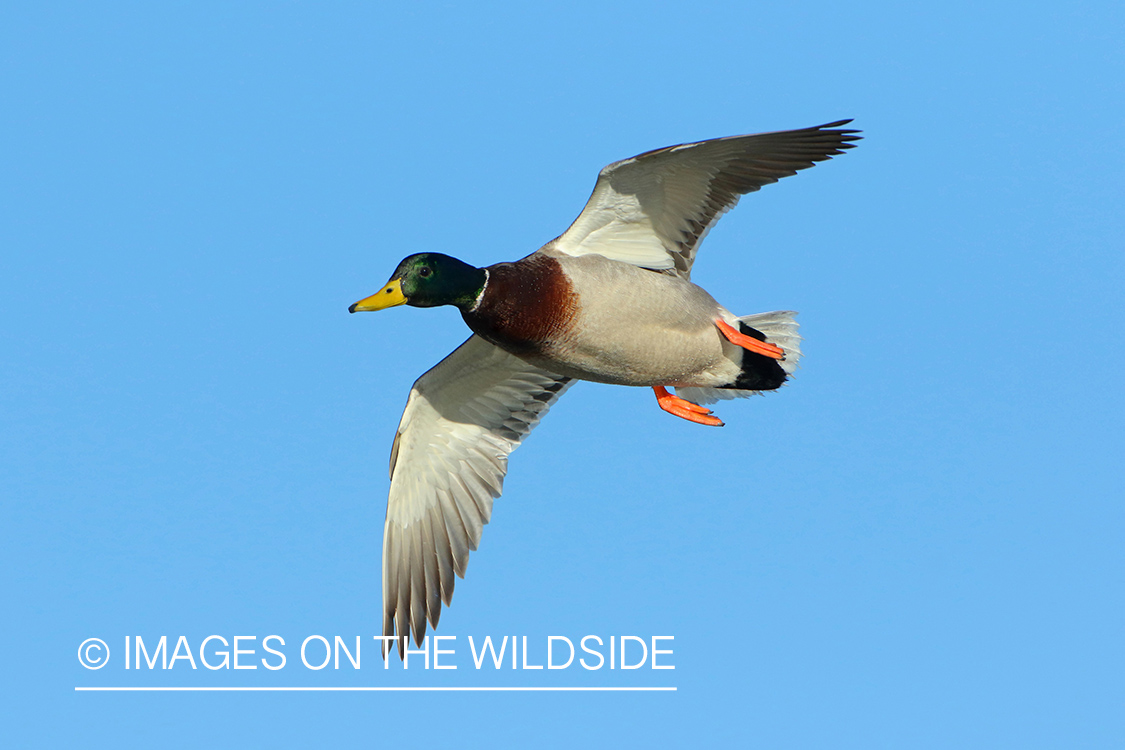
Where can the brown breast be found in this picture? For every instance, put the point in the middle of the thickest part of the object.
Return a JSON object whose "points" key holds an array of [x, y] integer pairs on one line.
{"points": [[527, 307]]}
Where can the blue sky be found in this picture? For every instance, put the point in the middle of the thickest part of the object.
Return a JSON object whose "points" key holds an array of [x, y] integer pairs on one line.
{"points": [[915, 544]]}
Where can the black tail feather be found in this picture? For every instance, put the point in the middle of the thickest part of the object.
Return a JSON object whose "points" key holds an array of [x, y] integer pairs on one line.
{"points": [[759, 372]]}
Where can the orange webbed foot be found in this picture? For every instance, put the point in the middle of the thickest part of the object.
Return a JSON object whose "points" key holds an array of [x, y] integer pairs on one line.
{"points": [[749, 342], [685, 409]]}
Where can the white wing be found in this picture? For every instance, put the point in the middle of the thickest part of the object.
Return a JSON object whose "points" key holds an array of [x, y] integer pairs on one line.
{"points": [[653, 210], [448, 461]]}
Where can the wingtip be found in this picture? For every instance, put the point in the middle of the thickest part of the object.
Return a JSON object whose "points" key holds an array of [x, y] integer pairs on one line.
{"points": [[847, 135]]}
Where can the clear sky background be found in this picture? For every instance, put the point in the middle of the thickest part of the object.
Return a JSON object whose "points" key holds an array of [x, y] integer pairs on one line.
{"points": [[918, 543]]}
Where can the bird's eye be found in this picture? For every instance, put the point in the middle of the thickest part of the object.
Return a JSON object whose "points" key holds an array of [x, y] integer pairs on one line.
{"points": [[424, 272]]}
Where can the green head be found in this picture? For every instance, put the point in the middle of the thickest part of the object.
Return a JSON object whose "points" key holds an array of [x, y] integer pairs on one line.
{"points": [[428, 280]]}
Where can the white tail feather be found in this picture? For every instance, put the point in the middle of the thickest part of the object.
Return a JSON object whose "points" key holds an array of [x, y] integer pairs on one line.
{"points": [[779, 327]]}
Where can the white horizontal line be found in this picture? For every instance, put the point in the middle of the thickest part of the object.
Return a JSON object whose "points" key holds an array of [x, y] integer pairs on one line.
{"points": [[371, 689]]}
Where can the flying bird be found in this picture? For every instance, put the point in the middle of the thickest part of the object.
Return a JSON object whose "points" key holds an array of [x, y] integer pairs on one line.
{"points": [[609, 300]]}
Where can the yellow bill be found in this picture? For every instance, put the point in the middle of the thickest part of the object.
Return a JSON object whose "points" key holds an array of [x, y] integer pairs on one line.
{"points": [[389, 296]]}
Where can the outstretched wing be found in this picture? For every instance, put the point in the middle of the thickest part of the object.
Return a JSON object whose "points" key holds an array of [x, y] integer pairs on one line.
{"points": [[653, 210], [448, 462]]}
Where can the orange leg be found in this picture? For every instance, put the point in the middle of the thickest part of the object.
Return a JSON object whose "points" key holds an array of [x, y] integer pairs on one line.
{"points": [[684, 408], [749, 342]]}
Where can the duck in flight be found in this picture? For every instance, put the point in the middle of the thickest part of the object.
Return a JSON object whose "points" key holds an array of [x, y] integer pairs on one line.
{"points": [[610, 300]]}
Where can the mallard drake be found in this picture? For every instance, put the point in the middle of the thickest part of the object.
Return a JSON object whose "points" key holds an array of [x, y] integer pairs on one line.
{"points": [[610, 300]]}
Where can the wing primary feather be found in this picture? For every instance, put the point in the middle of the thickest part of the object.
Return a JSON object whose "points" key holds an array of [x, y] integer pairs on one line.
{"points": [[390, 585], [444, 557], [417, 588], [402, 613], [430, 563]]}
